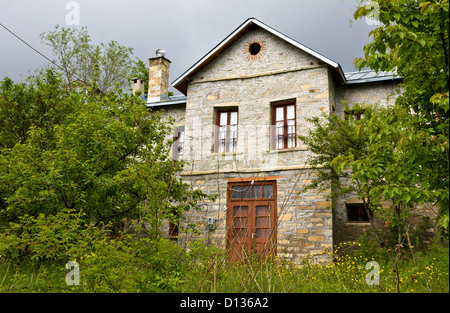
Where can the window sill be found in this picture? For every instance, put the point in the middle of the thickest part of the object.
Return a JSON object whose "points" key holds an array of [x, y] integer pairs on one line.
{"points": [[286, 150], [215, 154]]}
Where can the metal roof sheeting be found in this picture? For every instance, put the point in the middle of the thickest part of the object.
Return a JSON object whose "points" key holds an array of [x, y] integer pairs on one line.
{"points": [[173, 100], [368, 77]]}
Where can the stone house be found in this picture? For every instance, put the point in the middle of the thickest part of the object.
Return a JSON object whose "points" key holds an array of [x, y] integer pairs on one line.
{"points": [[242, 107]]}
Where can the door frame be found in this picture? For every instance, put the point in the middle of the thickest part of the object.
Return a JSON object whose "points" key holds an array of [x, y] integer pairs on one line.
{"points": [[269, 245]]}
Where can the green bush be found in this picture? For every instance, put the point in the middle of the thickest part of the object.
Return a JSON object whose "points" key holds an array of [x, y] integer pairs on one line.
{"points": [[34, 252], [58, 237], [125, 263]]}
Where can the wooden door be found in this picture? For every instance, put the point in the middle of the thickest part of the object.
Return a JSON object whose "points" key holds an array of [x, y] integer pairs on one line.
{"points": [[251, 219]]}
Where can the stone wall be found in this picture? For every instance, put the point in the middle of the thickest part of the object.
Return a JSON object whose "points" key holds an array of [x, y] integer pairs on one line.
{"points": [[231, 80], [383, 93], [304, 219], [158, 83]]}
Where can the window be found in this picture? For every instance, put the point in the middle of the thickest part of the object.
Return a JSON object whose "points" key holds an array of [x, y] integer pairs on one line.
{"points": [[226, 130], [254, 48], [178, 144], [173, 231], [283, 119], [356, 213], [354, 114], [249, 191]]}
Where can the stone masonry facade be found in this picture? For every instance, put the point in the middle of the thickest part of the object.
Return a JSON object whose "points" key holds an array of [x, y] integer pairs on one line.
{"points": [[251, 84]]}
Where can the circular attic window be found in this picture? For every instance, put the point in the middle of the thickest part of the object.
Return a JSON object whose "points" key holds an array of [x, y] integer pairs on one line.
{"points": [[254, 48]]}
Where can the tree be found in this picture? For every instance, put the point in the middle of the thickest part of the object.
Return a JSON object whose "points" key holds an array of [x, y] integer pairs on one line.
{"points": [[405, 158], [37, 105], [412, 41], [394, 168], [331, 137], [106, 156], [106, 65]]}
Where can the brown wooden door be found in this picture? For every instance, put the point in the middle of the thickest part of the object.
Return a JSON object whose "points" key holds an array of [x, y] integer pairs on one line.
{"points": [[251, 219]]}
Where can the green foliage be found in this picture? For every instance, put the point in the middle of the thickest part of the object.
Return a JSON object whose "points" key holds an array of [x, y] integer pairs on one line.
{"points": [[401, 154], [37, 105], [105, 156], [108, 263], [329, 137], [129, 264], [82, 165], [59, 237], [105, 65], [412, 40]]}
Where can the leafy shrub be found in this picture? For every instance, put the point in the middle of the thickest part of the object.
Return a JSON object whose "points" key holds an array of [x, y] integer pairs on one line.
{"points": [[58, 237]]}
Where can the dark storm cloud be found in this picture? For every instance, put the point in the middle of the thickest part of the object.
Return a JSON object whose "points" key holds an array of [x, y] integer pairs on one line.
{"points": [[185, 29]]}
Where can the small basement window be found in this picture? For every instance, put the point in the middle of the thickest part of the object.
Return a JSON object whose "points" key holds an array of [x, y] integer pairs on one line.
{"points": [[356, 213], [173, 231]]}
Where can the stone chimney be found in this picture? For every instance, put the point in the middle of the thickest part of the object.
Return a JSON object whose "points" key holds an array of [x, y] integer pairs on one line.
{"points": [[158, 80], [137, 85]]}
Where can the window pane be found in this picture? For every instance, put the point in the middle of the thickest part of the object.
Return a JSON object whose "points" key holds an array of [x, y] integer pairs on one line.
{"points": [[240, 232], [240, 210], [279, 114], [280, 127], [263, 222], [263, 210], [236, 193], [247, 192], [291, 126], [262, 233], [291, 141], [233, 131], [223, 132], [290, 112], [240, 222], [233, 118], [223, 118], [257, 191], [268, 191]]}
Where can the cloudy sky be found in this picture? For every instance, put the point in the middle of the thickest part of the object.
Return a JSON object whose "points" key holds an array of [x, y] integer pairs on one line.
{"points": [[186, 29]]}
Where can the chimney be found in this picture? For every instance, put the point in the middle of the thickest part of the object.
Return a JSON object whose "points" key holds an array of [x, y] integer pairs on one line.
{"points": [[137, 85], [158, 80]]}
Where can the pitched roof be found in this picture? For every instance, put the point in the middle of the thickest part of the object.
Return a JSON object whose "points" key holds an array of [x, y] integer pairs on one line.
{"points": [[181, 82]]}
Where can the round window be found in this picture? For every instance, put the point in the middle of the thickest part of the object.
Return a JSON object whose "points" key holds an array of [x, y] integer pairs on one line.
{"points": [[254, 48]]}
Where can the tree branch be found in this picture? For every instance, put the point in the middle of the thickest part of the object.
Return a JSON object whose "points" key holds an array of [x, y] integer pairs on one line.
{"points": [[117, 214]]}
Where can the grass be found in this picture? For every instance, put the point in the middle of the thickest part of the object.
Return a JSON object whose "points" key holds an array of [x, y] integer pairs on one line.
{"points": [[347, 274], [399, 272]]}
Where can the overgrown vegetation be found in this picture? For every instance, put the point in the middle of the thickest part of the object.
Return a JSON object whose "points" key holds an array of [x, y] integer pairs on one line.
{"points": [[76, 164], [127, 265]]}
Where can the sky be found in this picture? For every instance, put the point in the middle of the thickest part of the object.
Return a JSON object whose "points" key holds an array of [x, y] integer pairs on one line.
{"points": [[185, 29]]}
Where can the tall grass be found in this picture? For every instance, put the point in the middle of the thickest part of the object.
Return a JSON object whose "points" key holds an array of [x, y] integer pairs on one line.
{"points": [[207, 270], [347, 273]]}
